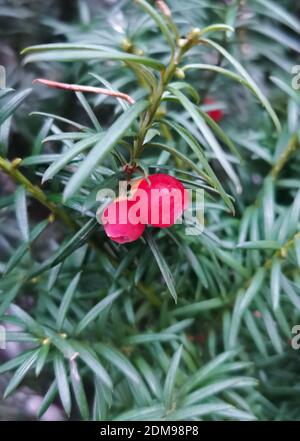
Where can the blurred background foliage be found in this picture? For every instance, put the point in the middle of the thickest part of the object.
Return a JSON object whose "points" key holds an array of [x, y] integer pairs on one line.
{"points": [[95, 322]]}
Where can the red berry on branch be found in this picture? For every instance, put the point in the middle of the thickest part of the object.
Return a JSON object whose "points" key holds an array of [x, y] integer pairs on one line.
{"points": [[121, 222], [166, 199], [218, 114]]}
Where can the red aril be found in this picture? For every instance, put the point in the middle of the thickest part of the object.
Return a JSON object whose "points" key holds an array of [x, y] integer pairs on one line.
{"points": [[120, 221], [166, 199], [218, 114]]}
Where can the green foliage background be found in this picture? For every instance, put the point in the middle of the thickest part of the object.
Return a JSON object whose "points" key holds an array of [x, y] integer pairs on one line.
{"points": [[98, 323]]}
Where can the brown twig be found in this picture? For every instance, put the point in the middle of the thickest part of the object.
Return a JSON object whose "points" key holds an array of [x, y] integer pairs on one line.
{"points": [[79, 88], [163, 8]]}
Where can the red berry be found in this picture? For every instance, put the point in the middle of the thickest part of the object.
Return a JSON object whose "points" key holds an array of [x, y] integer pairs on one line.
{"points": [[166, 199], [121, 222], [218, 114]]}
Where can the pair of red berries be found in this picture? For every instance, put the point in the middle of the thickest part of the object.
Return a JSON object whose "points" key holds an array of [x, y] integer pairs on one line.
{"points": [[158, 200]]}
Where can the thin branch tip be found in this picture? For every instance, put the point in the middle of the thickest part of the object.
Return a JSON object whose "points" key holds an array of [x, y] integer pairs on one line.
{"points": [[81, 88]]}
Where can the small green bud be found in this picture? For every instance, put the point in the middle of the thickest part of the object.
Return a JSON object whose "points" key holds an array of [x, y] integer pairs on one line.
{"points": [[194, 34], [182, 42], [179, 73], [126, 45], [16, 162]]}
